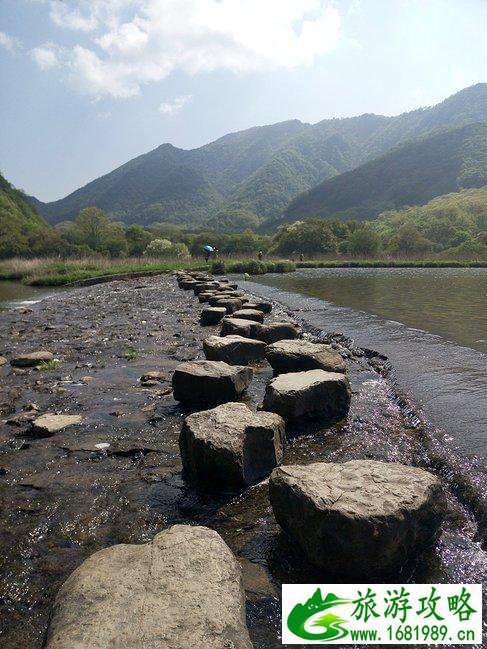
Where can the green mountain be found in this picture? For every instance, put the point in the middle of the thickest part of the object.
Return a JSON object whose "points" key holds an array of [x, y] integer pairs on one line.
{"points": [[258, 171], [410, 174], [19, 222]]}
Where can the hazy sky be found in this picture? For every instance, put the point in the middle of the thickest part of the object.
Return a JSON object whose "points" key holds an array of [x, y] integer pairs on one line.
{"points": [[88, 84]]}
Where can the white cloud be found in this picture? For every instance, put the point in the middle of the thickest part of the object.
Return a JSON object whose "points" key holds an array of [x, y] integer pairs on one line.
{"points": [[135, 42], [172, 107], [46, 56], [10, 43]]}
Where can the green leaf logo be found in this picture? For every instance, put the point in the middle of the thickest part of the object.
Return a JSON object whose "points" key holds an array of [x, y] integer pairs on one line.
{"points": [[331, 624]]}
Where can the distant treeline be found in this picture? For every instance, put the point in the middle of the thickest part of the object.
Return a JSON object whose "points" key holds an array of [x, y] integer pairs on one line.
{"points": [[451, 226]]}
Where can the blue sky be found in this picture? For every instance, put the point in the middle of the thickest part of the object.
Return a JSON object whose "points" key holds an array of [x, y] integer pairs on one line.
{"points": [[89, 84]]}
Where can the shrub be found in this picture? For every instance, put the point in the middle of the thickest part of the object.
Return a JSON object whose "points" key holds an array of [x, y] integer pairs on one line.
{"points": [[218, 267]]}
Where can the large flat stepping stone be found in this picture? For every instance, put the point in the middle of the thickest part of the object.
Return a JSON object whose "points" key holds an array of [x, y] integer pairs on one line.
{"points": [[183, 589], [271, 333], [362, 519], [212, 315], [205, 296], [209, 383], [231, 447], [311, 394], [187, 284], [49, 424], [231, 304], [31, 360], [302, 355], [204, 286], [265, 307], [234, 350], [239, 327], [249, 314]]}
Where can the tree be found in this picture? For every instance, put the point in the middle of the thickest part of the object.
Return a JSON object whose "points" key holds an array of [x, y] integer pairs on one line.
{"points": [[158, 248], [138, 238], [92, 225], [314, 236], [409, 241], [364, 241]]}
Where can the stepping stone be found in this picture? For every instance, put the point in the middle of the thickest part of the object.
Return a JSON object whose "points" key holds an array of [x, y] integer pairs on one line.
{"points": [[49, 424], [187, 284], [239, 327], [312, 394], [271, 333], [212, 315], [234, 350], [204, 286], [302, 355], [32, 359], [266, 307], [183, 589], [209, 383], [231, 304], [249, 314], [231, 447], [362, 519], [205, 296]]}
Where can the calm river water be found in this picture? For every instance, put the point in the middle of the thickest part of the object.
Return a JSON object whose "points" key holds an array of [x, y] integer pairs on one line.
{"points": [[14, 294], [431, 323]]}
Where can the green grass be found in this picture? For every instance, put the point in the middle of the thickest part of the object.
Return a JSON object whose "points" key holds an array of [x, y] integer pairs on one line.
{"points": [[391, 263], [53, 272], [252, 267], [130, 354], [48, 366]]}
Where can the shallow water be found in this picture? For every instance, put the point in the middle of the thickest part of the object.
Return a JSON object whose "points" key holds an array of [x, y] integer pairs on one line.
{"points": [[14, 294], [387, 310]]}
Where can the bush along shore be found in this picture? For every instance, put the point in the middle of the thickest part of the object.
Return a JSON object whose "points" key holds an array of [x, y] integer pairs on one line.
{"points": [[139, 504]]}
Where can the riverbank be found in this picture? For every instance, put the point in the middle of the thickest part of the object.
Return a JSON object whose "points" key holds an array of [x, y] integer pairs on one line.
{"points": [[53, 272], [116, 477]]}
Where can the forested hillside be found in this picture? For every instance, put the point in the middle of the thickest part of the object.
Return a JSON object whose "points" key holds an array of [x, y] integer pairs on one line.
{"points": [[259, 171], [21, 228], [411, 174]]}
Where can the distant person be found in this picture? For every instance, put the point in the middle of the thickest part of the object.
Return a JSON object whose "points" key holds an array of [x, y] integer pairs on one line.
{"points": [[209, 251], [260, 255], [301, 257]]}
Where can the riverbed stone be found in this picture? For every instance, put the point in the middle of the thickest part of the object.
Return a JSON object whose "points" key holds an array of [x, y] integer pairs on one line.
{"points": [[311, 394], [302, 355], [235, 350], [230, 446], [49, 423], [212, 315], [249, 314], [209, 383], [183, 589], [362, 519], [231, 304], [3, 361], [266, 307], [31, 360], [271, 333]]}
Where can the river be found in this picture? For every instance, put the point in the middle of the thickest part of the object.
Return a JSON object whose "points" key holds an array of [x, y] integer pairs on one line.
{"points": [[13, 294], [431, 323]]}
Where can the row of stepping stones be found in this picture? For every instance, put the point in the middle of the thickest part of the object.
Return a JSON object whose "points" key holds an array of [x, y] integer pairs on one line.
{"points": [[390, 511], [361, 519]]}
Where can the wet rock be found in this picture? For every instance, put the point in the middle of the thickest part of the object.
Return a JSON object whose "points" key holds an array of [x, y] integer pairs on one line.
{"points": [[212, 315], [187, 284], [209, 382], [249, 314], [32, 359], [256, 581], [153, 378], [234, 350], [21, 419], [266, 307], [183, 589], [49, 424], [230, 447], [302, 355], [311, 394], [275, 331], [3, 361], [362, 518], [239, 327], [231, 304]]}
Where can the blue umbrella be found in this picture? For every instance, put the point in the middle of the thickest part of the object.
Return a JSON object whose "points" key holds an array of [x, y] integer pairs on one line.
{"points": [[208, 248]]}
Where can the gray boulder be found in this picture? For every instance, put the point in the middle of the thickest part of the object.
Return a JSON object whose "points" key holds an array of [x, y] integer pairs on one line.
{"points": [[32, 359], [249, 314], [231, 304], [212, 315], [266, 307], [234, 350], [271, 333], [204, 286], [183, 589], [239, 327], [187, 284], [209, 383], [310, 394], [362, 519], [205, 296], [231, 447], [302, 355]]}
